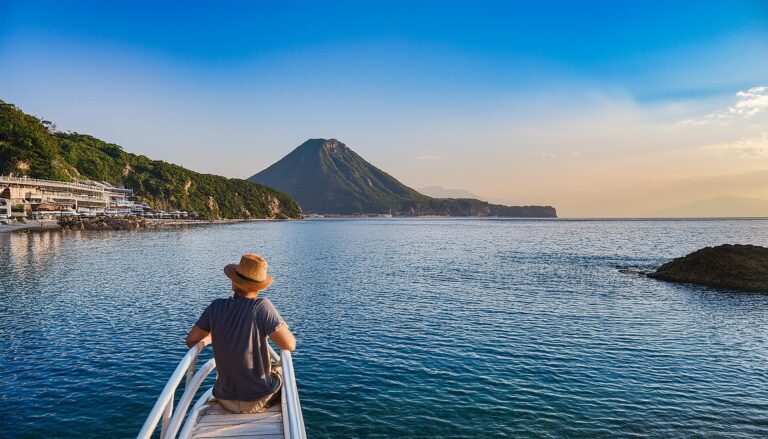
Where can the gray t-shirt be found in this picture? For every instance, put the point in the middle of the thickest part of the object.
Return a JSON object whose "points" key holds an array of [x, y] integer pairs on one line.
{"points": [[239, 328]]}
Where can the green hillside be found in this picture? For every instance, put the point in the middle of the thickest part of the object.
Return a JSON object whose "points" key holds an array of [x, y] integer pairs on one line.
{"points": [[327, 177], [29, 147]]}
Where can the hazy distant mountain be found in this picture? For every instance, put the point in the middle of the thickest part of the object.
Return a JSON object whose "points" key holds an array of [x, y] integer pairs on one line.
{"points": [[724, 206], [441, 192], [327, 177]]}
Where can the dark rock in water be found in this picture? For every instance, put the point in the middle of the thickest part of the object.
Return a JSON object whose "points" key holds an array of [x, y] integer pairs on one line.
{"points": [[103, 223], [725, 266], [634, 271]]}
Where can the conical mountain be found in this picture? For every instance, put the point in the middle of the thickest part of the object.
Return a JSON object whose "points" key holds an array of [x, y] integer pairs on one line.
{"points": [[326, 177]]}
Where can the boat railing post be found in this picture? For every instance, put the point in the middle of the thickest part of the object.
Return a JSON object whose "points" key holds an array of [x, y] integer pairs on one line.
{"points": [[191, 372], [167, 413], [273, 354], [189, 426], [290, 393], [163, 408], [186, 398]]}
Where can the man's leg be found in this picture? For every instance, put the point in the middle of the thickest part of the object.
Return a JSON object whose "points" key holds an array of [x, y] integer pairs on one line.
{"points": [[230, 404], [268, 401]]}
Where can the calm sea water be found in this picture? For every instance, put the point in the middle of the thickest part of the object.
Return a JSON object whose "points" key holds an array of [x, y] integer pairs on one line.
{"points": [[406, 327]]}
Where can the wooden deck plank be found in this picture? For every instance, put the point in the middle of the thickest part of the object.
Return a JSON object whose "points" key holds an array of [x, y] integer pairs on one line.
{"points": [[243, 430], [217, 422], [272, 427], [256, 436], [277, 420], [229, 424], [270, 420], [207, 419]]}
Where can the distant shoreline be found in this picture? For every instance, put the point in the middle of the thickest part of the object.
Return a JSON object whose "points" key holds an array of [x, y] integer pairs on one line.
{"points": [[53, 225], [703, 218], [160, 224], [388, 216]]}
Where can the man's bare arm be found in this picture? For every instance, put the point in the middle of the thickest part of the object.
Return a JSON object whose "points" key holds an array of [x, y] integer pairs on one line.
{"points": [[196, 334], [284, 339]]}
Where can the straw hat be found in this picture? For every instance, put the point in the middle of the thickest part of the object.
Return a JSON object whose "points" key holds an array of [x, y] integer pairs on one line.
{"points": [[250, 274]]}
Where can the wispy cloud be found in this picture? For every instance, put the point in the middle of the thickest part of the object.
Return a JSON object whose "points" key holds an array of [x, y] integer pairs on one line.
{"points": [[429, 157], [748, 104], [746, 147]]}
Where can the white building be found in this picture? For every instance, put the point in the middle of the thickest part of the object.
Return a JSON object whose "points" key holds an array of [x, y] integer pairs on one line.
{"points": [[86, 194], [5, 208]]}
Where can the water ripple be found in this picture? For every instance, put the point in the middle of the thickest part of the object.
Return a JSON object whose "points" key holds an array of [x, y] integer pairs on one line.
{"points": [[410, 328]]}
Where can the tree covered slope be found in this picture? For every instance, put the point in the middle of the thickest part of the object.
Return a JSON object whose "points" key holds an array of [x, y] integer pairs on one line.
{"points": [[29, 147]]}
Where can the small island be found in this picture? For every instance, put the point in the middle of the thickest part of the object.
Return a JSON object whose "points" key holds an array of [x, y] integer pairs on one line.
{"points": [[743, 267]]}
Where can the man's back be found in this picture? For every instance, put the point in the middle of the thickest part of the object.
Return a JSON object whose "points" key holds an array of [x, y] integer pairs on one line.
{"points": [[239, 328]]}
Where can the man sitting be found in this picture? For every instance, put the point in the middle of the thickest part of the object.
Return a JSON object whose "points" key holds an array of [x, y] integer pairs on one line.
{"points": [[238, 327]]}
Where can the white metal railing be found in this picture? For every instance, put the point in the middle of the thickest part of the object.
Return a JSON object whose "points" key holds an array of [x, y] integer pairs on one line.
{"points": [[293, 420], [290, 400], [52, 183], [163, 407], [74, 185], [189, 426]]}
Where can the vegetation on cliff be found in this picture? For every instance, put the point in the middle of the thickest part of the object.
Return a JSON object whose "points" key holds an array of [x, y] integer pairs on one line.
{"points": [[32, 147], [326, 176]]}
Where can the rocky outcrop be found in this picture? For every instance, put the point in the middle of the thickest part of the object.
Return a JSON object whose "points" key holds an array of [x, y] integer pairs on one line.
{"points": [[737, 266], [103, 223]]}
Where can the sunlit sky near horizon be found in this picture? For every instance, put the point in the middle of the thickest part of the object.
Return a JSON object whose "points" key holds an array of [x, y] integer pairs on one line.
{"points": [[600, 108]]}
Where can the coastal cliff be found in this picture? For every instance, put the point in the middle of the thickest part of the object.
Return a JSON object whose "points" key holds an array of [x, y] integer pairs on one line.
{"points": [[31, 147], [327, 177]]}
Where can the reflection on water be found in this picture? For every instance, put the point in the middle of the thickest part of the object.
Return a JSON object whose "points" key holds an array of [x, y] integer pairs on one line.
{"points": [[452, 328], [31, 252]]}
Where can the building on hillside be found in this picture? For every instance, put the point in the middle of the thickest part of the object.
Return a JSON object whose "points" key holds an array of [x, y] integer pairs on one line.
{"points": [[5, 208], [78, 195]]}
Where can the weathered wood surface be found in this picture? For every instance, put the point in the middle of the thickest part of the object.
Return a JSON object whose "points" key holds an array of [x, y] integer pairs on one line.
{"points": [[217, 422]]}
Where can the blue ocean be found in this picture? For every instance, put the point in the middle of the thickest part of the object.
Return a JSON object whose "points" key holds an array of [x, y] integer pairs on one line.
{"points": [[405, 327]]}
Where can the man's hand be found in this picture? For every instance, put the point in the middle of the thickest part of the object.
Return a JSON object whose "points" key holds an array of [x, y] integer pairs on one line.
{"points": [[283, 338], [196, 335]]}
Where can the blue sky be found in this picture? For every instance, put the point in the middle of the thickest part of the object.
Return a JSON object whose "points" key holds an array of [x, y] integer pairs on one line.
{"points": [[442, 93]]}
